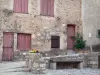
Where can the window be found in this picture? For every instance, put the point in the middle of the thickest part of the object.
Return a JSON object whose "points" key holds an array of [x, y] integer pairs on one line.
{"points": [[47, 7], [24, 41], [55, 42], [98, 34], [21, 6]]}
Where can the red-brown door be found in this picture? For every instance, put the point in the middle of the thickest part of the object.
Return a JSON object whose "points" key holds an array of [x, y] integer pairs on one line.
{"points": [[70, 34], [8, 43]]}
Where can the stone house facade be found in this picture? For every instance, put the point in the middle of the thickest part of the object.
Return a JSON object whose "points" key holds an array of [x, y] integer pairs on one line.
{"points": [[30, 27], [91, 23]]}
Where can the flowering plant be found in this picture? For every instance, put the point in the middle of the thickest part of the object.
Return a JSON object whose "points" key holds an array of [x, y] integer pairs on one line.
{"points": [[34, 51]]}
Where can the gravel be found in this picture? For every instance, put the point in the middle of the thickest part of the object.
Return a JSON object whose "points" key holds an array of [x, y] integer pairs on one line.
{"points": [[16, 68], [86, 71]]}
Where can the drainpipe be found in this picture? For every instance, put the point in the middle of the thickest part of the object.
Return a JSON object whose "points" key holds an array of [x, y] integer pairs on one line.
{"points": [[90, 36]]}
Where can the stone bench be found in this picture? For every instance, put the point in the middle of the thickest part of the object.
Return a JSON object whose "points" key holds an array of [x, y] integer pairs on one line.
{"points": [[65, 59]]}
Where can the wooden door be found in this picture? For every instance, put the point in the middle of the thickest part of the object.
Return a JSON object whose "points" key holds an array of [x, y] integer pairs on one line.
{"points": [[8, 43], [70, 34]]}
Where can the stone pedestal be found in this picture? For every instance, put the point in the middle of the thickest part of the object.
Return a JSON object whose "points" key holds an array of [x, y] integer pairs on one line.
{"points": [[35, 63], [81, 65], [53, 65], [93, 59]]}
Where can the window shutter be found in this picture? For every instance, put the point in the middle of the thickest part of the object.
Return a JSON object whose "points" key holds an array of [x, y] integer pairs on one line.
{"points": [[44, 7], [24, 41], [17, 5], [52, 8], [55, 42], [49, 8], [24, 7], [28, 41]]}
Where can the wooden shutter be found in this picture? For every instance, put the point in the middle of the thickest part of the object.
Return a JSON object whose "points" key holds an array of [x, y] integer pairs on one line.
{"points": [[24, 7], [17, 5], [44, 7], [55, 42], [21, 6], [50, 7], [24, 41]]}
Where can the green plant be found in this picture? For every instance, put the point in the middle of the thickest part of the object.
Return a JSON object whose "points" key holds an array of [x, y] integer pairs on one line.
{"points": [[80, 43]]}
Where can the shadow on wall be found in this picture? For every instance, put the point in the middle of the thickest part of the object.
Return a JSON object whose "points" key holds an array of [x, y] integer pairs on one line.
{"points": [[96, 48], [54, 52]]}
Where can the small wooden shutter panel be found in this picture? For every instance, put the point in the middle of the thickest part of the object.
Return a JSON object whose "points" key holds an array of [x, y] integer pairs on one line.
{"points": [[17, 5], [44, 7], [21, 6], [26, 6], [52, 8], [49, 8], [55, 42], [24, 41]]}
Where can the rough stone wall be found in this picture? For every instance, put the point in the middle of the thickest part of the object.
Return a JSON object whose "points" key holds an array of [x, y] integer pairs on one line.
{"points": [[91, 23], [41, 27], [66, 12], [93, 61]]}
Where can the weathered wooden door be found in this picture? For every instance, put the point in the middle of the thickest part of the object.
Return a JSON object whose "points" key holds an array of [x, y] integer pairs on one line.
{"points": [[8, 43], [70, 34]]}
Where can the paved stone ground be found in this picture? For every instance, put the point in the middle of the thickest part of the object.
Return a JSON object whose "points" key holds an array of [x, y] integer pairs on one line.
{"points": [[13, 68], [18, 68]]}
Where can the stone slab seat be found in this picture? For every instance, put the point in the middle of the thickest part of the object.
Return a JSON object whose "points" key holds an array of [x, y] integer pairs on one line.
{"points": [[66, 58]]}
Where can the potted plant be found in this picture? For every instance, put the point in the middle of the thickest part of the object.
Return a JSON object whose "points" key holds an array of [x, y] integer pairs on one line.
{"points": [[80, 43]]}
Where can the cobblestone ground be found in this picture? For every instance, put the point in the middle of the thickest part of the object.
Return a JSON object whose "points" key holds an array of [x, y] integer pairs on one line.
{"points": [[18, 68]]}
